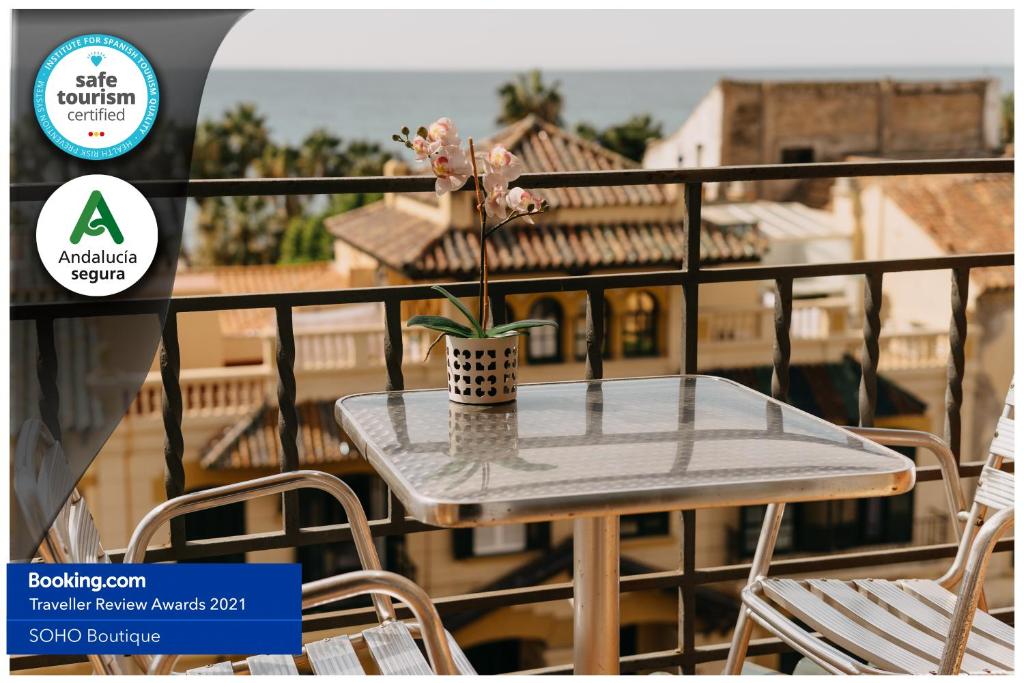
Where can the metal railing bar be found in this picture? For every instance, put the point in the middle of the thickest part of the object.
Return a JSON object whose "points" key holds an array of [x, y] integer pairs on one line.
{"points": [[955, 368], [665, 278], [238, 187], [687, 594], [393, 351], [595, 333], [781, 349], [288, 415], [820, 563], [397, 524], [468, 602], [46, 373], [868, 393], [171, 411]]}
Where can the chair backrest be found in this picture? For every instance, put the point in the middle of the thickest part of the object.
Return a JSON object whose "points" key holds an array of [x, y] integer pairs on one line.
{"points": [[995, 485], [41, 477], [994, 492]]}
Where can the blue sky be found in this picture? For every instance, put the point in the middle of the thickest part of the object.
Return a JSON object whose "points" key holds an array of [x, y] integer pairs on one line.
{"points": [[616, 39]]}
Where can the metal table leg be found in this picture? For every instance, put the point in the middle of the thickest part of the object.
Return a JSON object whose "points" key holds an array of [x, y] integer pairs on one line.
{"points": [[596, 595]]}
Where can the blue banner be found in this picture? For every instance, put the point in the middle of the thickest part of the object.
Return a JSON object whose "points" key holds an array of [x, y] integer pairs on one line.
{"points": [[154, 609]]}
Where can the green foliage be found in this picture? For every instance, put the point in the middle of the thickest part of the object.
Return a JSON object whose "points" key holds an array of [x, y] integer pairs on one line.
{"points": [[528, 94], [629, 138], [255, 230], [447, 326], [1008, 118]]}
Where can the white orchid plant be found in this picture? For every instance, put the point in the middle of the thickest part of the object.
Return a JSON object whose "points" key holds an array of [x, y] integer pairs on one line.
{"points": [[497, 205]]}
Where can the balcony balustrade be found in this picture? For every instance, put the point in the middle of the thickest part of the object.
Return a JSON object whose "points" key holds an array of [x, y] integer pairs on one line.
{"points": [[778, 332]]}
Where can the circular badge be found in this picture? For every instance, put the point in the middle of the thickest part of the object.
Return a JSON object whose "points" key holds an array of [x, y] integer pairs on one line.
{"points": [[96, 96], [96, 235]]}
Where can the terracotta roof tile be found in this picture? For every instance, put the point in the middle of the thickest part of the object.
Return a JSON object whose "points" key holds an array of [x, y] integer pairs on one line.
{"points": [[964, 214], [254, 440], [545, 147], [581, 248]]}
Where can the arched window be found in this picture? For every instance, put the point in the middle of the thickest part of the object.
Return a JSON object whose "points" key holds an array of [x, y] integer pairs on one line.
{"points": [[544, 344], [640, 325], [580, 331]]}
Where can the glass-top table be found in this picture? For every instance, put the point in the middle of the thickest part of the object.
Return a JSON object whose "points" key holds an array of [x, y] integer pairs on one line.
{"points": [[596, 450]]}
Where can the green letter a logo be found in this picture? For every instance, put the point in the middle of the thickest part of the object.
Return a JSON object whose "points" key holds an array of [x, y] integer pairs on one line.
{"points": [[94, 227]]}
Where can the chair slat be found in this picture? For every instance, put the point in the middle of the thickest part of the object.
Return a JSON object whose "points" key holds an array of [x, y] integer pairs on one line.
{"points": [[938, 596], [868, 614], [461, 661], [931, 621], [842, 630], [395, 651], [334, 656], [218, 669], [272, 665], [1003, 440], [995, 489]]}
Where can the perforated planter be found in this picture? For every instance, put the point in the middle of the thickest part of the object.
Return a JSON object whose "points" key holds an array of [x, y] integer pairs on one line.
{"points": [[482, 371]]}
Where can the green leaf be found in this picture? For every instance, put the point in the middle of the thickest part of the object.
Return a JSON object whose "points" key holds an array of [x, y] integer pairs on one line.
{"points": [[499, 330], [477, 329], [439, 323]]}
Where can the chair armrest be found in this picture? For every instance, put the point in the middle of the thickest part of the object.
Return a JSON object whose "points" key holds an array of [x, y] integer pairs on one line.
{"points": [[368, 582], [266, 486], [940, 449], [971, 589], [335, 588]]}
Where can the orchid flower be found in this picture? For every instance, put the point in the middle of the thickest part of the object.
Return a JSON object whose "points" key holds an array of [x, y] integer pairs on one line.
{"points": [[524, 202], [421, 146], [443, 133], [495, 188], [502, 164], [452, 167]]}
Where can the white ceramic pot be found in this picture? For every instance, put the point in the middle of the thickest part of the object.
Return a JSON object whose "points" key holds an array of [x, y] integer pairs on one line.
{"points": [[482, 371]]}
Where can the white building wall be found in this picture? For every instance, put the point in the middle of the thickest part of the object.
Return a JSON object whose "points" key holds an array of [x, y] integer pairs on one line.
{"points": [[697, 143]]}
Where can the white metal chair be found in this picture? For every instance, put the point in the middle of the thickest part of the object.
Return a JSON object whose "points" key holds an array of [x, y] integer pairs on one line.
{"points": [[911, 626], [389, 648]]}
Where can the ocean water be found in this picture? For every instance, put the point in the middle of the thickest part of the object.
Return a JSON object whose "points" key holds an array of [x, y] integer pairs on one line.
{"points": [[374, 105]]}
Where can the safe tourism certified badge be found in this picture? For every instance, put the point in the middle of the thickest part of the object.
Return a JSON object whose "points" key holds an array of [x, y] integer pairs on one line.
{"points": [[96, 96], [96, 235]]}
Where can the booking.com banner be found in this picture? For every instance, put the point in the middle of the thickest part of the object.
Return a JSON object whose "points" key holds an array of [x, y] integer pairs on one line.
{"points": [[154, 609]]}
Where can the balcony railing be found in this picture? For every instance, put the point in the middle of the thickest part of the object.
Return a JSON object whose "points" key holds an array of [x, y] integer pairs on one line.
{"points": [[685, 578]]}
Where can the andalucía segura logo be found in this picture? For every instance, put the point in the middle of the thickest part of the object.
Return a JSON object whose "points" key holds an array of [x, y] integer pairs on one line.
{"points": [[96, 96], [96, 235]]}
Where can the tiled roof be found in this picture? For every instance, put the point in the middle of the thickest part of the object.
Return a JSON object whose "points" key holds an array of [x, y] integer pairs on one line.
{"points": [[254, 441], [420, 248], [254, 280], [964, 214], [525, 248], [545, 147]]}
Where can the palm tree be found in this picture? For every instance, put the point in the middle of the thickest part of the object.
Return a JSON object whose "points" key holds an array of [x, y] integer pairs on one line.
{"points": [[528, 94], [629, 138]]}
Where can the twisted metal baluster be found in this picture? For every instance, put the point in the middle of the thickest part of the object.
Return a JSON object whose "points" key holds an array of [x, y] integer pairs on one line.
{"points": [[174, 441], [869, 355], [955, 367], [781, 352], [46, 372], [288, 416]]}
